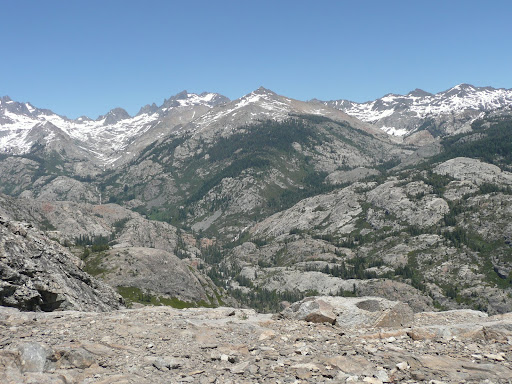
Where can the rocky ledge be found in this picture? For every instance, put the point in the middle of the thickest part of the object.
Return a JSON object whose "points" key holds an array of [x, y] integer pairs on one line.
{"points": [[225, 345]]}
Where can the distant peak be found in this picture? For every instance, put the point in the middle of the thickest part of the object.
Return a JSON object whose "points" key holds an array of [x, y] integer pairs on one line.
{"points": [[173, 101], [115, 115], [460, 89], [463, 86], [419, 93], [264, 91], [5, 98], [118, 111]]}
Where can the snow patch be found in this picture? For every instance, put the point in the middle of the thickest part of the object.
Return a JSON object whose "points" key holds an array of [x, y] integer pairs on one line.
{"points": [[393, 131]]}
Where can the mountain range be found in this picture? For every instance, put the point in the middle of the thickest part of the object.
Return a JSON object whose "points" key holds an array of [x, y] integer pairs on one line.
{"points": [[266, 199], [106, 139]]}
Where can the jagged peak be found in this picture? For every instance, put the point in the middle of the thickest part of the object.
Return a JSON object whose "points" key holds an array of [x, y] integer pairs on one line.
{"points": [[182, 95], [148, 109]]}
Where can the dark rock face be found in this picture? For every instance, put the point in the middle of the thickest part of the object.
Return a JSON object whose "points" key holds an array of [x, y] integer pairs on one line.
{"points": [[37, 274]]}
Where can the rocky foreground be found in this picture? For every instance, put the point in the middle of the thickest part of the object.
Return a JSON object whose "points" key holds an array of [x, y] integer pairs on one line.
{"points": [[225, 345]]}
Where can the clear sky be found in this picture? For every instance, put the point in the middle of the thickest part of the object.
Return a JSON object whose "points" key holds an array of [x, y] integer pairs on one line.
{"points": [[84, 57]]}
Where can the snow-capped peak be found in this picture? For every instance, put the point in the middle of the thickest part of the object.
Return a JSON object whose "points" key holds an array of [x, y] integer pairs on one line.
{"points": [[259, 104]]}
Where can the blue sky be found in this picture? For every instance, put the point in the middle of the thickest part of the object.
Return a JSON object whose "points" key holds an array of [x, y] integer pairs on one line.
{"points": [[86, 57]]}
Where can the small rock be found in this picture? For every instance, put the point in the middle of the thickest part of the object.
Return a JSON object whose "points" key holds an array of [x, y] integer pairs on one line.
{"points": [[382, 375], [164, 364], [403, 366], [420, 376], [240, 368], [308, 366], [303, 374], [372, 380], [495, 357], [196, 372], [76, 358], [159, 364], [268, 334], [208, 346], [33, 357], [253, 369]]}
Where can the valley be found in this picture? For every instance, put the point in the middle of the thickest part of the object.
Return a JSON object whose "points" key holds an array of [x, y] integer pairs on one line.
{"points": [[266, 200]]}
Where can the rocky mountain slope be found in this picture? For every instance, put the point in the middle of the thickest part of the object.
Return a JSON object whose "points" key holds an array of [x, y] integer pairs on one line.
{"points": [[37, 273], [164, 345], [434, 235], [448, 112], [449, 243]]}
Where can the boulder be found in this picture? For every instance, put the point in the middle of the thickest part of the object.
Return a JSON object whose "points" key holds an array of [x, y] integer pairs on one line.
{"points": [[351, 312], [314, 310]]}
